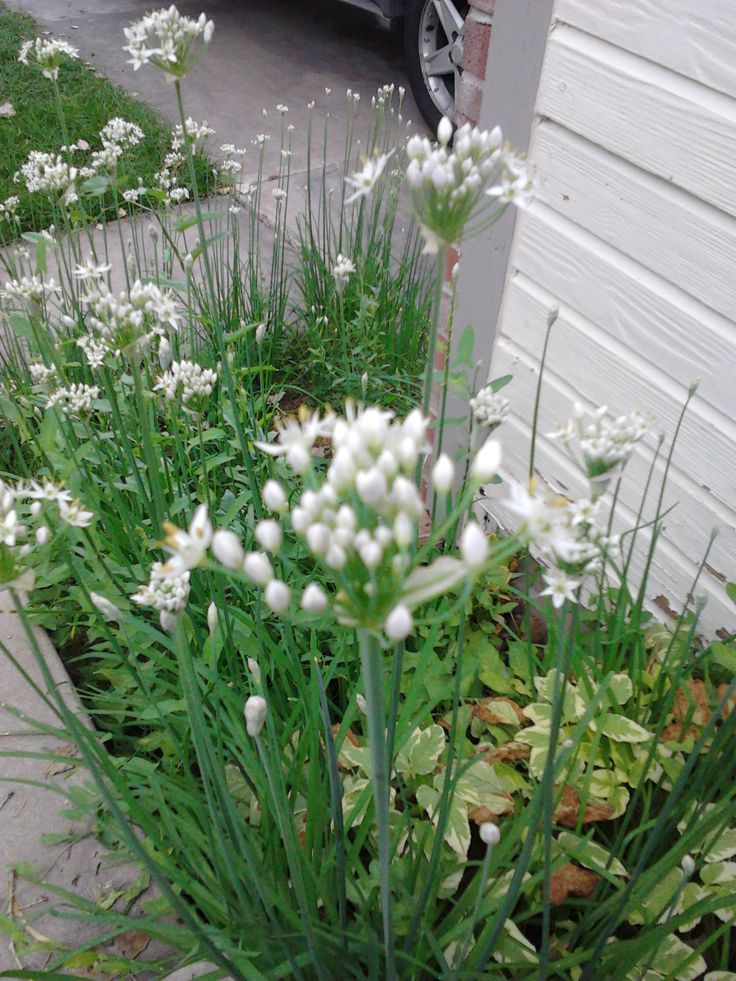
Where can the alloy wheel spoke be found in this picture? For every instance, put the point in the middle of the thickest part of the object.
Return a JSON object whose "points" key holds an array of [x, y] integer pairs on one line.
{"points": [[440, 62], [449, 17]]}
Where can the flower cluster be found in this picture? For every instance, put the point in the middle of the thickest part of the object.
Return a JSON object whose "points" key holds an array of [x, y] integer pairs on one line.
{"points": [[117, 136], [489, 409], [74, 400], [46, 54], [29, 291], [195, 135], [9, 209], [605, 446], [128, 322], [48, 173], [342, 271], [447, 185], [196, 384], [169, 41], [166, 592], [42, 374], [22, 523]]}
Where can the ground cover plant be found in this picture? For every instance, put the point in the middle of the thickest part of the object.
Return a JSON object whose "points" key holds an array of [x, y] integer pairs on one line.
{"points": [[344, 732]]}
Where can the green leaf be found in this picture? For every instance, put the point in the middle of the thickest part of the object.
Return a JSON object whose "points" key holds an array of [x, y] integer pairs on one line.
{"points": [[724, 654], [464, 352], [421, 752], [718, 872], [731, 591], [724, 847], [208, 242], [457, 829], [498, 383], [21, 326], [191, 220], [589, 854], [623, 729], [96, 185], [672, 957], [622, 687]]}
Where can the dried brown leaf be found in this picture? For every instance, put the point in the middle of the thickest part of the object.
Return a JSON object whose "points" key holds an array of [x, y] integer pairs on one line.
{"points": [[692, 701], [567, 811], [490, 710], [571, 880], [509, 752]]}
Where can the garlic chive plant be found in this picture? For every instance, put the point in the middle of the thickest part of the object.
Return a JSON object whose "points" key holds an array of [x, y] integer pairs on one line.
{"points": [[332, 723]]}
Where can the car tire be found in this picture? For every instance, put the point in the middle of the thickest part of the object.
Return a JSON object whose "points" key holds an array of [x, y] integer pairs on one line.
{"points": [[433, 39]]}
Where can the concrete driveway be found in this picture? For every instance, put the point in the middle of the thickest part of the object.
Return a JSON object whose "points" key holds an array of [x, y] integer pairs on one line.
{"points": [[264, 52]]}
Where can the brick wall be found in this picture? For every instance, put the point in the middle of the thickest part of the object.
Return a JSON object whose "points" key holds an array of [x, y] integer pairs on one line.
{"points": [[477, 37]]}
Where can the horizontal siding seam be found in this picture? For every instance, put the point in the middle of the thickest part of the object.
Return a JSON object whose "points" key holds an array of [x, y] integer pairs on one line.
{"points": [[712, 415], [668, 291], [624, 61], [723, 511]]}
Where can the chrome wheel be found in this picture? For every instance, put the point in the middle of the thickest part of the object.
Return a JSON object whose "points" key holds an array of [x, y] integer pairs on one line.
{"points": [[440, 38]]}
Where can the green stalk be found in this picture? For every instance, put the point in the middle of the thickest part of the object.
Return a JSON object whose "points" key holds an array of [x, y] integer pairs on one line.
{"points": [[370, 659], [434, 327], [149, 453]]}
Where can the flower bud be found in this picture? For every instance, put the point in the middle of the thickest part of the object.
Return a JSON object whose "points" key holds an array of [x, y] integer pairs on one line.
{"points": [[487, 461], [443, 473], [35, 508], [227, 549], [42, 535], [371, 554], [398, 623], [371, 486], [277, 596], [212, 617], [255, 714], [361, 703], [255, 669], [403, 530], [314, 599], [268, 535], [165, 354], [444, 131], [489, 833], [257, 567], [106, 608], [273, 497], [167, 621], [474, 547], [688, 866], [318, 538]]}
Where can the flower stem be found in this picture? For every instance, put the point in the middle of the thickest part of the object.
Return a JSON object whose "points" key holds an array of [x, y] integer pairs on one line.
{"points": [[370, 658], [434, 327]]}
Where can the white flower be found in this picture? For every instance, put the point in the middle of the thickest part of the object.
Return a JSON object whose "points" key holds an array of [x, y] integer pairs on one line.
{"points": [[277, 595], [273, 497], [443, 474], [42, 374], [46, 54], [314, 599], [169, 41], [560, 587], [366, 179], [255, 714], [120, 133], [74, 514], [398, 623], [188, 548], [227, 549], [489, 409], [444, 131], [91, 269], [268, 535], [7, 109], [474, 547], [296, 439], [194, 381], [50, 174], [342, 271], [75, 399], [10, 527], [42, 535], [166, 591], [486, 462], [257, 567], [108, 610], [489, 833], [261, 331]]}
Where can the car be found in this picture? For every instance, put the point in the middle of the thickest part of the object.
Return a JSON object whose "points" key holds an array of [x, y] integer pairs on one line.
{"points": [[433, 43]]}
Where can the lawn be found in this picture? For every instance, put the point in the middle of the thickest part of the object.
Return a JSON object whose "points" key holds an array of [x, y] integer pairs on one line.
{"points": [[89, 101]]}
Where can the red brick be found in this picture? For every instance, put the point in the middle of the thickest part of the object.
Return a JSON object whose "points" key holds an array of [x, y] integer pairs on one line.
{"points": [[485, 6], [476, 39], [470, 97]]}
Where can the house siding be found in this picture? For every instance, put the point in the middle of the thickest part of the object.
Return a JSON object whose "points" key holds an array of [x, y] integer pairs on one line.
{"points": [[633, 236]]}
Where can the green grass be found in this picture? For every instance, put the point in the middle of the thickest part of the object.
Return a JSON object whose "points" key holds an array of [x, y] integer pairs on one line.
{"points": [[89, 102]]}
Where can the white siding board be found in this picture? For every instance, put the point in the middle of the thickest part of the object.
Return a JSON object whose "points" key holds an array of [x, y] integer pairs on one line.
{"points": [[581, 355], [640, 310], [641, 111], [694, 38], [668, 231], [694, 514], [633, 234]]}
